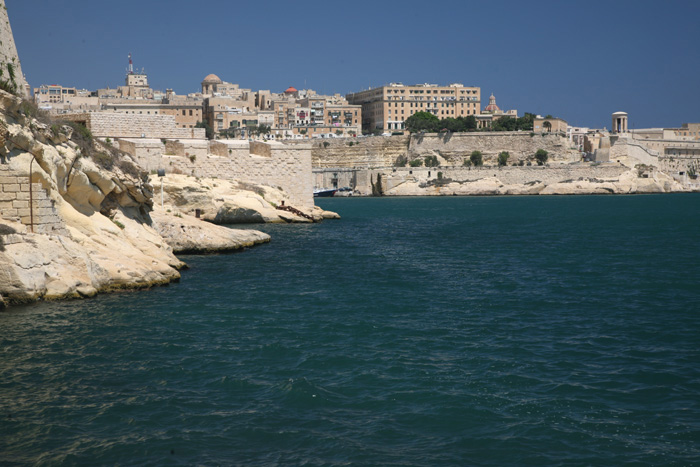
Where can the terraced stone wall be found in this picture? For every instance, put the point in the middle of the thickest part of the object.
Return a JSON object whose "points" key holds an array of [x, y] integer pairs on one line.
{"points": [[451, 148]]}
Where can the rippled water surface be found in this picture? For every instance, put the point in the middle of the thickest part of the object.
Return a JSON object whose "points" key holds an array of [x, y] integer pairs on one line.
{"points": [[425, 331]]}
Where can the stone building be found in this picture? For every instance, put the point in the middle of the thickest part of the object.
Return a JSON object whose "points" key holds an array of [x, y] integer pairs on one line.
{"points": [[671, 142], [549, 125], [326, 115], [386, 108], [493, 112], [60, 99]]}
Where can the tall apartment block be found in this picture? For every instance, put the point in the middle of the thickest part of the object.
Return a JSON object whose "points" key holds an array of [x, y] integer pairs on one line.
{"points": [[388, 107]]}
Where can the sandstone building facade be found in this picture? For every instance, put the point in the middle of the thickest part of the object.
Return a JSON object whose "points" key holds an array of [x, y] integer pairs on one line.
{"points": [[386, 108]]}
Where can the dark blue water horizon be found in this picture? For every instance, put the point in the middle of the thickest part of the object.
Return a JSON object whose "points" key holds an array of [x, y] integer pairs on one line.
{"points": [[413, 331]]}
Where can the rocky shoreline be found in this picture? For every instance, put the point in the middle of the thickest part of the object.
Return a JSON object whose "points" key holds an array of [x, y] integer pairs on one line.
{"points": [[78, 218], [552, 179]]}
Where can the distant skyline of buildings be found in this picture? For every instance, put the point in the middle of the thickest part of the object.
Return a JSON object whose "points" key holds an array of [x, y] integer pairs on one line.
{"points": [[234, 112], [229, 109]]}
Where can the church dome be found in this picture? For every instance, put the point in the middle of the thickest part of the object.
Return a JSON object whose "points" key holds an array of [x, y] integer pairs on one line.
{"points": [[212, 79], [492, 107], [290, 90]]}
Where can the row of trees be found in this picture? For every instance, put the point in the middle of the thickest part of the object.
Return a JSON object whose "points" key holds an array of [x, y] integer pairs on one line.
{"points": [[524, 123], [476, 159], [429, 123], [253, 130]]}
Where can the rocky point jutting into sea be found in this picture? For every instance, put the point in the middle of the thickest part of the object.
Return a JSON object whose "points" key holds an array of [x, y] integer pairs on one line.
{"points": [[77, 216]]}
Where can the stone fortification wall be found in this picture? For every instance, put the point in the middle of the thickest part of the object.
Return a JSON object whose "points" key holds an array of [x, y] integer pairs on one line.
{"points": [[187, 148], [631, 152], [674, 165], [8, 53], [455, 148], [15, 203], [361, 180], [373, 151], [119, 125], [450, 148], [278, 165]]}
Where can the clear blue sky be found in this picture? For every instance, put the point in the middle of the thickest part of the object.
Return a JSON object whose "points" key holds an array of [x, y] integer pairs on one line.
{"points": [[577, 60]]}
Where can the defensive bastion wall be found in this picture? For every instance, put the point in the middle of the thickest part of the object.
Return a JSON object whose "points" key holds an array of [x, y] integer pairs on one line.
{"points": [[454, 148], [451, 148], [279, 165]]}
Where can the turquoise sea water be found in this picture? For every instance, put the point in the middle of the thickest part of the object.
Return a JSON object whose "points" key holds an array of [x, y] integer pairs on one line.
{"points": [[418, 331]]}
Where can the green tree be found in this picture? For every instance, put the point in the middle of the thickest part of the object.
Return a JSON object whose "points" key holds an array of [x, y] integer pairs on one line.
{"points": [[208, 131], [264, 129], [422, 121], [228, 132], [416, 163], [504, 124], [526, 122], [469, 122], [541, 156], [547, 126], [476, 158], [503, 158], [401, 161], [432, 161]]}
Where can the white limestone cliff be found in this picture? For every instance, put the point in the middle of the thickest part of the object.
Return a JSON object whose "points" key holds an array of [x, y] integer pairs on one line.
{"points": [[75, 215]]}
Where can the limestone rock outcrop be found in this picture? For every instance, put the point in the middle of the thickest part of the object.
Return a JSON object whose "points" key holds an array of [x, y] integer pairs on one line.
{"points": [[228, 202], [504, 183], [98, 204], [187, 234]]}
